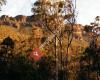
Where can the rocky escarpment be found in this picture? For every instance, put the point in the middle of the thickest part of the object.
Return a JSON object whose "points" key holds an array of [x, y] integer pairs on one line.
{"points": [[26, 23], [18, 22]]}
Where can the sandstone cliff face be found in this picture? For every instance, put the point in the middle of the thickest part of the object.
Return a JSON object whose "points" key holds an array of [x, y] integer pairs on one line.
{"points": [[18, 22]]}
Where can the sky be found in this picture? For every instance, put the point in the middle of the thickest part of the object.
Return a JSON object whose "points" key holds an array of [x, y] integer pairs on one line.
{"points": [[87, 10]]}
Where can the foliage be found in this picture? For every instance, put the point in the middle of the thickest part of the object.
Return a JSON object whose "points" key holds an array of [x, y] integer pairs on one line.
{"points": [[19, 67], [20, 40], [8, 42], [88, 28], [7, 31], [53, 16], [89, 63]]}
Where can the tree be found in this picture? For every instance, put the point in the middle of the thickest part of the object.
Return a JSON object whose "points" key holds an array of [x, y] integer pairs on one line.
{"points": [[54, 15], [97, 18], [6, 56], [6, 50], [8, 42], [90, 62], [2, 2], [88, 28]]}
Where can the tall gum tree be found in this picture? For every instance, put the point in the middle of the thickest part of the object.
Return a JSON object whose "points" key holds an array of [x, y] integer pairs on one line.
{"points": [[58, 18]]}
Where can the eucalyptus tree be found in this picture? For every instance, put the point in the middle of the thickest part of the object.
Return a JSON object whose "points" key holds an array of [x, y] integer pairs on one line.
{"points": [[56, 16]]}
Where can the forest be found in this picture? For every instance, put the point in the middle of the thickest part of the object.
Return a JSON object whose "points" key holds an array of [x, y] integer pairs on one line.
{"points": [[49, 44]]}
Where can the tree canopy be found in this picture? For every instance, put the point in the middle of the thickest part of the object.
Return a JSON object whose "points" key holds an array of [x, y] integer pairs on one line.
{"points": [[2, 2], [54, 14]]}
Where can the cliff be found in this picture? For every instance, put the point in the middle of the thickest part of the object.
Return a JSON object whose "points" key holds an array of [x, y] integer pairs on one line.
{"points": [[18, 22], [25, 24]]}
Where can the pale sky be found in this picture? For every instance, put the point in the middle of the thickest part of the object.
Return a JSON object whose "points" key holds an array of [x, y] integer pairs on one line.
{"points": [[87, 9]]}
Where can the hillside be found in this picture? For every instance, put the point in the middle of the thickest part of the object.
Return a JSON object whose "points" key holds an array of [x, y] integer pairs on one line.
{"points": [[21, 27], [6, 31], [18, 21]]}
